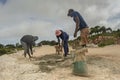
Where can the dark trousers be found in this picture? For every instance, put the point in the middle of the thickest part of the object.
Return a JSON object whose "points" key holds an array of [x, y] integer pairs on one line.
{"points": [[66, 49]]}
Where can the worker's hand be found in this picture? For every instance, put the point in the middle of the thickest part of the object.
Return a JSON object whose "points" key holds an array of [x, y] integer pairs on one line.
{"points": [[75, 34]]}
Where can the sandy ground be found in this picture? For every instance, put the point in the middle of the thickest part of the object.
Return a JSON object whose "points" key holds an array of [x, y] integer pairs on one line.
{"points": [[103, 64]]}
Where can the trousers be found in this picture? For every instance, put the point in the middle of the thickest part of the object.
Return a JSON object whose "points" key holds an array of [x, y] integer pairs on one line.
{"points": [[65, 46], [27, 49]]}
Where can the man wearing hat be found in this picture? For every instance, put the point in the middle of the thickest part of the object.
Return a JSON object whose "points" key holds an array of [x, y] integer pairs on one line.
{"points": [[80, 25], [27, 42], [64, 37]]}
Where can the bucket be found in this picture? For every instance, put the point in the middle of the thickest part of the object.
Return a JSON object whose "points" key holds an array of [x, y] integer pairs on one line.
{"points": [[80, 68]]}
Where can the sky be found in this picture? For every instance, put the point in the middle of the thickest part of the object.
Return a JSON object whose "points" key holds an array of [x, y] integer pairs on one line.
{"points": [[42, 17]]}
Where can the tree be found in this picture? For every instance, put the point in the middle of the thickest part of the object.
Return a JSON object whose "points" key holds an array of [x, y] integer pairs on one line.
{"points": [[44, 42], [109, 29], [103, 29], [91, 31], [118, 33], [1, 46], [53, 42], [97, 29]]}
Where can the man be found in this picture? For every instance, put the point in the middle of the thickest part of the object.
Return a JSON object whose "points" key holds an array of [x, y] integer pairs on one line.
{"points": [[27, 42], [64, 37], [80, 25]]}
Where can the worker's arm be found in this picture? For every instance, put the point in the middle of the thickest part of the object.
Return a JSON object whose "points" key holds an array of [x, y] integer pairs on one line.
{"points": [[58, 40], [33, 42], [77, 26]]}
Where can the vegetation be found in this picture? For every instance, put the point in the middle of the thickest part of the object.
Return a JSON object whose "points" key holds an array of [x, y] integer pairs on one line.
{"points": [[45, 42], [108, 36], [99, 35], [9, 48], [102, 36], [106, 42]]}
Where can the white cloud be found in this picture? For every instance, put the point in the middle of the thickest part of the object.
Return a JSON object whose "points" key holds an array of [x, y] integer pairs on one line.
{"points": [[42, 17]]}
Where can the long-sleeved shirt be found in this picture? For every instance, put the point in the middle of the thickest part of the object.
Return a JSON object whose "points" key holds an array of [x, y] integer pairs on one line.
{"points": [[29, 39], [64, 36]]}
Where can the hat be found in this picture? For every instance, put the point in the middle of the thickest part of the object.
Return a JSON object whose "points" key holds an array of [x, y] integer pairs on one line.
{"points": [[69, 11], [58, 32]]}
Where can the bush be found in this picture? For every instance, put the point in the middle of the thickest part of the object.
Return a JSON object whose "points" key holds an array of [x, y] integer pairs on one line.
{"points": [[3, 51], [51, 43], [11, 46], [1, 46], [6, 51], [106, 42]]}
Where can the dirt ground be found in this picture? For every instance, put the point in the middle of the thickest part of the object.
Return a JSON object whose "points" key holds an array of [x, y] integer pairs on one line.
{"points": [[103, 64]]}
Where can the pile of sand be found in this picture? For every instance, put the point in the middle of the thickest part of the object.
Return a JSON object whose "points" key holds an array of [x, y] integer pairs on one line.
{"points": [[103, 64]]}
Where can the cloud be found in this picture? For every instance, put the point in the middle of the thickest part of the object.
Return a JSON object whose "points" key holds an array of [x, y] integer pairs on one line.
{"points": [[43, 17]]}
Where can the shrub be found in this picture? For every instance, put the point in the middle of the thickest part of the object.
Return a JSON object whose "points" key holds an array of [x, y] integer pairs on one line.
{"points": [[6, 51], [106, 42], [3, 51], [1, 46]]}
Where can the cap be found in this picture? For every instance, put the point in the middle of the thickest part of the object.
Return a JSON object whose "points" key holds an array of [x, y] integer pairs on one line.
{"points": [[58, 32], [69, 11]]}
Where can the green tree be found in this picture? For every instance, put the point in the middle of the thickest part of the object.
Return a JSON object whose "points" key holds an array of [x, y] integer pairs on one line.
{"points": [[109, 29], [94, 30], [97, 29], [1, 46], [103, 29]]}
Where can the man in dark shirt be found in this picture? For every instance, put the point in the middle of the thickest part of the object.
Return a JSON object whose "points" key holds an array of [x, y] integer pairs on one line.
{"points": [[64, 37], [27, 42], [80, 25]]}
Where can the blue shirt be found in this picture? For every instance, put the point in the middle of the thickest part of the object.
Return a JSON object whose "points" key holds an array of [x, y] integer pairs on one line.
{"points": [[82, 24]]}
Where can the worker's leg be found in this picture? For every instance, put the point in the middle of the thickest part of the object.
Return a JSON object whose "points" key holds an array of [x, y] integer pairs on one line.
{"points": [[24, 45], [84, 36], [86, 32], [65, 48], [67, 44], [31, 50], [28, 52]]}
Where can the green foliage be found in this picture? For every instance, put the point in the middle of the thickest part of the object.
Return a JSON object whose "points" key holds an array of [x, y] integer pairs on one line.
{"points": [[100, 30], [10, 46], [106, 42], [71, 42], [6, 51], [18, 45], [1, 46], [97, 31], [117, 33], [3, 51], [94, 37], [51, 43]]}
